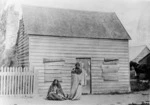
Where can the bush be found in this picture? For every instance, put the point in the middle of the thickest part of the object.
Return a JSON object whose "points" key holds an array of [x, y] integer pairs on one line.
{"points": [[139, 86]]}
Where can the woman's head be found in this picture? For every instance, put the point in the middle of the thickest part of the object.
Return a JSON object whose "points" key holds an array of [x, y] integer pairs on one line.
{"points": [[77, 65], [78, 68], [56, 83]]}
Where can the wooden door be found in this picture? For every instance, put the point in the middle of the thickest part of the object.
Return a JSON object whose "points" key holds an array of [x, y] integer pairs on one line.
{"points": [[86, 72]]}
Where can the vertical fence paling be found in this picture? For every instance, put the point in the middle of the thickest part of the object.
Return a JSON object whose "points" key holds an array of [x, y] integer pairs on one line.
{"points": [[16, 81]]}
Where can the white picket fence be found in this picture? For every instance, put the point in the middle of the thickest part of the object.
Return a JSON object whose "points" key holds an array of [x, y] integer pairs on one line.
{"points": [[16, 81]]}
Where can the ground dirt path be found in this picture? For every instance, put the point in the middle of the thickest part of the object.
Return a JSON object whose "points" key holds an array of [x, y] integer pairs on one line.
{"points": [[120, 99]]}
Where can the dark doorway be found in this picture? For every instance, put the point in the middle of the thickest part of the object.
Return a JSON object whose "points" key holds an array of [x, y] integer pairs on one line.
{"points": [[86, 65]]}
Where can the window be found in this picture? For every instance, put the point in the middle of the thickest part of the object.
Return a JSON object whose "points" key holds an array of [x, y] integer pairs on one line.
{"points": [[110, 69]]}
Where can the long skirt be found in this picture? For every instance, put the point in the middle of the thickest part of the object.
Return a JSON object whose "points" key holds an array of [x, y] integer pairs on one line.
{"points": [[76, 87], [54, 96]]}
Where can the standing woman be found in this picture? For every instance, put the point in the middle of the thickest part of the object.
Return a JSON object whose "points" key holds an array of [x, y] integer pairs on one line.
{"points": [[76, 83]]}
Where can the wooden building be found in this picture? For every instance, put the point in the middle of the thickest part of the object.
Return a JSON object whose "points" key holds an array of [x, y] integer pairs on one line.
{"points": [[145, 60], [138, 52], [53, 40]]}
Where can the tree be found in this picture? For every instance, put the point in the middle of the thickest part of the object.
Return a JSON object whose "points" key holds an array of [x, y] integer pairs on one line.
{"points": [[9, 21]]}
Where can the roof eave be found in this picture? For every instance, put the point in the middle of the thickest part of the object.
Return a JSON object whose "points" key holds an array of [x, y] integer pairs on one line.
{"points": [[32, 34]]}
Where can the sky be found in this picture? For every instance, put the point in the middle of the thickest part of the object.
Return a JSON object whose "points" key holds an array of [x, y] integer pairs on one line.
{"points": [[134, 14]]}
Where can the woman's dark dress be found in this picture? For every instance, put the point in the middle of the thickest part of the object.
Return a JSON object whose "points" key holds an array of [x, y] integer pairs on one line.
{"points": [[55, 93]]}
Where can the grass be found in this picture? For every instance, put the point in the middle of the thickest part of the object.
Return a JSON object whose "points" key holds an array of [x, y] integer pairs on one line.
{"points": [[139, 86]]}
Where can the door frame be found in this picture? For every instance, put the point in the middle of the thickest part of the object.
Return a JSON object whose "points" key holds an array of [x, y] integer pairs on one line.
{"points": [[90, 71]]}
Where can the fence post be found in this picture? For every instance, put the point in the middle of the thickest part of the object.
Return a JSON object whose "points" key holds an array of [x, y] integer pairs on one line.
{"points": [[1, 84], [35, 89]]}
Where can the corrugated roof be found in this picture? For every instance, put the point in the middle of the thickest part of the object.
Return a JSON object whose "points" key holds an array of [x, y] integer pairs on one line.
{"points": [[72, 23], [134, 51]]}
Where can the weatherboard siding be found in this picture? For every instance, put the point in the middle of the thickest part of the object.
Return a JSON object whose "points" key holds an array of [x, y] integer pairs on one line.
{"points": [[22, 46], [69, 49]]}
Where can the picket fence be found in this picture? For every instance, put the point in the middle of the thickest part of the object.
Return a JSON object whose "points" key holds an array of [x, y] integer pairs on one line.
{"points": [[16, 81]]}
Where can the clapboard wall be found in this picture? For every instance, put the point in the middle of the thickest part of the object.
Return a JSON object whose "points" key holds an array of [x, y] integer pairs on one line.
{"points": [[22, 46], [71, 48]]}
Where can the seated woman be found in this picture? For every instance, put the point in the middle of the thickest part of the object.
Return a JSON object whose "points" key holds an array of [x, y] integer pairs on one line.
{"points": [[76, 83], [55, 91]]}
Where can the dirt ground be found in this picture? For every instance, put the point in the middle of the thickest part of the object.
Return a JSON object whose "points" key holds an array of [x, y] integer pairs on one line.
{"points": [[120, 99]]}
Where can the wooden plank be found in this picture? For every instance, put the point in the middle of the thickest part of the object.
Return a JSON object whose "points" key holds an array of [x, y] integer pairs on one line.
{"points": [[110, 63], [27, 86], [87, 55], [17, 80], [98, 42], [20, 83], [23, 78], [1, 81], [94, 62], [60, 64], [94, 59], [23, 53], [110, 68], [80, 51], [52, 71], [23, 39], [61, 40], [13, 81], [4, 81], [11, 84], [9, 89], [32, 85], [51, 77], [25, 81], [35, 88], [79, 47], [7, 82], [29, 82], [90, 52], [22, 45], [42, 55], [111, 59], [2, 84], [110, 76], [45, 60]]}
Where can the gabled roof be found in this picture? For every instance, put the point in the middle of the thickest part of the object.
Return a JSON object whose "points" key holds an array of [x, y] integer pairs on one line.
{"points": [[72, 23], [148, 45], [134, 51], [148, 55]]}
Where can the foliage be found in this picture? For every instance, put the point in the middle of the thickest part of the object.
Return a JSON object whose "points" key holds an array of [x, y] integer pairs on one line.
{"points": [[9, 20]]}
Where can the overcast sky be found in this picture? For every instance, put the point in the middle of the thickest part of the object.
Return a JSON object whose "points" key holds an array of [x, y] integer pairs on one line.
{"points": [[134, 14]]}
